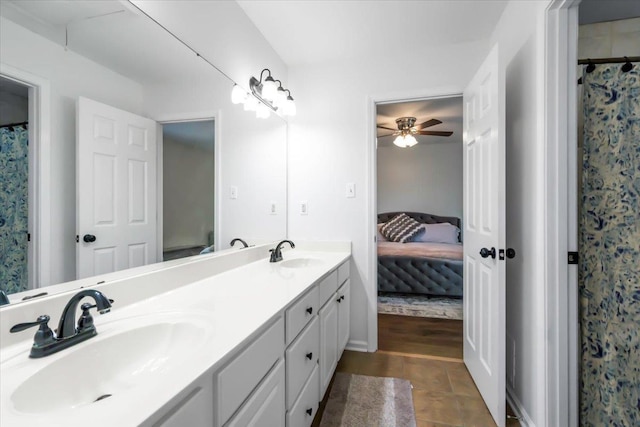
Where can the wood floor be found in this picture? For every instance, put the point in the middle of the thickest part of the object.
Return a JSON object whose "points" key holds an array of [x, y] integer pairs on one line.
{"points": [[427, 352]]}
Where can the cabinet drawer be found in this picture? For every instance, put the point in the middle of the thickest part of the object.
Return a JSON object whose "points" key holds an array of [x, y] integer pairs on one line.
{"points": [[299, 314], [343, 272], [328, 286], [237, 380], [266, 406], [305, 408], [301, 357]]}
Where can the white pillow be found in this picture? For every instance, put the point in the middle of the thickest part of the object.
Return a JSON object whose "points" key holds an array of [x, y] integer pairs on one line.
{"points": [[439, 233]]}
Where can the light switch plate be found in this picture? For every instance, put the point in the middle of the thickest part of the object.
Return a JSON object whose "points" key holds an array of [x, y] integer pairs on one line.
{"points": [[233, 192], [304, 208], [351, 189]]}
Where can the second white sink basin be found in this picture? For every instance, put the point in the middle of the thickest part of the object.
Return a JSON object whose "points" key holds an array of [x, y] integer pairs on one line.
{"points": [[300, 262], [105, 366]]}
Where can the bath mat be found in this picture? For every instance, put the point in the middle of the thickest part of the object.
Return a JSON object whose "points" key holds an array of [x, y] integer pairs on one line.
{"points": [[420, 306], [359, 400]]}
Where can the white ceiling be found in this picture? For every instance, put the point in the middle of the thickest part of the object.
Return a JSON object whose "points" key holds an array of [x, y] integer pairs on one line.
{"points": [[315, 31], [447, 110], [112, 33]]}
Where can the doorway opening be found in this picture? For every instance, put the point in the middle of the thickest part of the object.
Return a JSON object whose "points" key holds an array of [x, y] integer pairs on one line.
{"points": [[419, 212], [16, 194], [188, 188]]}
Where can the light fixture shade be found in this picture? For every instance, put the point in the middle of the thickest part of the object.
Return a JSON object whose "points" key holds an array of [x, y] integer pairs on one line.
{"points": [[250, 104], [281, 98], [238, 95], [289, 107], [399, 141], [269, 89], [404, 141], [262, 111]]}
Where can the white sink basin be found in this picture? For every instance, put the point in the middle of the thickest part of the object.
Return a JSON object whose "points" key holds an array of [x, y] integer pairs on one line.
{"points": [[300, 262], [126, 356]]}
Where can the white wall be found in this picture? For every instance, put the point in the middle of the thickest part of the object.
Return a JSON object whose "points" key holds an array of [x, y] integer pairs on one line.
{"points": [[423, 178], [520, 35], [187, 194], [329, 142], [70, 75]]}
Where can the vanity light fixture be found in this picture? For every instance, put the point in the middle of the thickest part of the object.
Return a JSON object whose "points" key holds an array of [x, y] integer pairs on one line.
{"points": [[238, 95], [265, 96]]}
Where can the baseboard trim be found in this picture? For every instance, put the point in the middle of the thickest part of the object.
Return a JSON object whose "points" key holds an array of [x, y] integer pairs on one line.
{"points": [[361, 346], [516, 405]]}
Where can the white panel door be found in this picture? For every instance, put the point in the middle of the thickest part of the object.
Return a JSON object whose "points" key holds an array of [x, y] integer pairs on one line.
{"points": [[116, 189], [484, 230]]}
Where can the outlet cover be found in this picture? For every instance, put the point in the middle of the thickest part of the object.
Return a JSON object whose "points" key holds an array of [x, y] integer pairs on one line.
{"points": [[304, 208], [351, 190], [233, 192], [273, 208]]}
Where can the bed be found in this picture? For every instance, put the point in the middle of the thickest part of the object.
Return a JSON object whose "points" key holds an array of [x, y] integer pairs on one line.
{"points": [[433, 269]]}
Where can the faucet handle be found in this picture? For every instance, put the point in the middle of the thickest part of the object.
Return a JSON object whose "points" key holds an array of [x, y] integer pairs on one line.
{"points": [[43, 336]]}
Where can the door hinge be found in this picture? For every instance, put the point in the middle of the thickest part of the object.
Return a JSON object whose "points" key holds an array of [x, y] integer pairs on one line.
{"points": [[77, 239], [28, 237], [572, 258]]}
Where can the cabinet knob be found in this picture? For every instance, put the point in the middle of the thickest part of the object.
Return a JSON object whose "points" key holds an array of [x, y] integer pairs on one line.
{"points": [[310, 310], [309, 411], [309, 356]]}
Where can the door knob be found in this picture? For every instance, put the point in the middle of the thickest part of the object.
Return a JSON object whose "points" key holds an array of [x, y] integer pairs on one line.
{"points": [[89, 238], [485, 253]]}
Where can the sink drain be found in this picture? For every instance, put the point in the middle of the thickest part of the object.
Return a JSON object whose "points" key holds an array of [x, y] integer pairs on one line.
{"points": [[104, 396]]}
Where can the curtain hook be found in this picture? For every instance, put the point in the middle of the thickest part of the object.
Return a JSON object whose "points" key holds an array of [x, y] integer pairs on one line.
{"points": [[590, 66], [628, 66]]}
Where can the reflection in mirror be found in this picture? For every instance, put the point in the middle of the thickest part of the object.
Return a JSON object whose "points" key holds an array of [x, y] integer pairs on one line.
{"points": [[87, 76]]}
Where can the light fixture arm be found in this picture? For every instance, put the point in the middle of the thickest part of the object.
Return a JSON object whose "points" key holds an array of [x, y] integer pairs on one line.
{"points": [[262, 72]]}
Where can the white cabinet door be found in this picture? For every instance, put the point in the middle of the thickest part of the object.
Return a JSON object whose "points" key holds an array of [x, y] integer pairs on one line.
{"points": [[344, 311], [328, 343], [266, 406], [484, 229], [116, 189], [195, 408]]}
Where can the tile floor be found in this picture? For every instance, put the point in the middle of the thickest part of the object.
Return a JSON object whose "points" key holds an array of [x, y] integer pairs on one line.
{"points": [[444, 394]]}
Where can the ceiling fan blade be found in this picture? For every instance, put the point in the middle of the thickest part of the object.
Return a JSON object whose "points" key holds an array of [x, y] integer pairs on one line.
{"points": [[427, 124], [434, 133], [384, 127], [386, 134]]}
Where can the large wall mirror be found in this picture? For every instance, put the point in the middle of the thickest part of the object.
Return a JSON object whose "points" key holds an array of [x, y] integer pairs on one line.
{"points": [[138, 131]]}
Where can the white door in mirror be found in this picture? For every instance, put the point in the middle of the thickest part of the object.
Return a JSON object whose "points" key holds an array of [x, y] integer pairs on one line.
{"points": [[117, 195]]}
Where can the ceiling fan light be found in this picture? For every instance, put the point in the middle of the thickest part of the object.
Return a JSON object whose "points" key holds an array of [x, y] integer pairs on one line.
{"points": [[238, 95], [269, 89], [399, 141], [410, 140]]}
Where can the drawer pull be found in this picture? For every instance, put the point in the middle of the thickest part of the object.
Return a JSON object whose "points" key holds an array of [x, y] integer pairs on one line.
{"points": [[309, 411], [310, 310], [309, 356]]}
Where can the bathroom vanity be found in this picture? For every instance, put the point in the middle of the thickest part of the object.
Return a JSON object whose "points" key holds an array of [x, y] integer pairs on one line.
{"points": [[230, 340]]}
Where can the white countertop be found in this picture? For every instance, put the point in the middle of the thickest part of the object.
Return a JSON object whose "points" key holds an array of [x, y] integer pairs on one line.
{"points": [[233, 305]]}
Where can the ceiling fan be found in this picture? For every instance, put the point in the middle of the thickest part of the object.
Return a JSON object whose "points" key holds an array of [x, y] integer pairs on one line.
{"points": [[407, 129]]}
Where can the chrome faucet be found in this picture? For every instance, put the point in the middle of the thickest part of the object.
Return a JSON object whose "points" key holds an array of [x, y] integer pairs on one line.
{"points": [[47, 342], [237, 239], [276, 253]]}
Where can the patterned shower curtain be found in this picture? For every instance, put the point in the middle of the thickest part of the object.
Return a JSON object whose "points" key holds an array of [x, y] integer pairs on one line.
{"points": [[14, 192], [610, 248]]}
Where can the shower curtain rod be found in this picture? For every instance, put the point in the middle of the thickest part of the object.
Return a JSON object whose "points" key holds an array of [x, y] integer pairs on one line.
{"points": [[14, 124], [619, 60]]}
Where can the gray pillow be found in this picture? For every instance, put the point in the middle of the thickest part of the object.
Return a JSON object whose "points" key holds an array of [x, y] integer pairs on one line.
{"points": [[439, 233], [402, 229]]}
